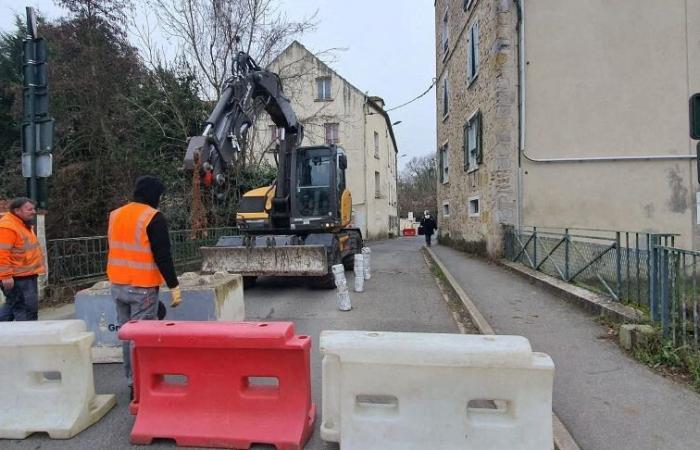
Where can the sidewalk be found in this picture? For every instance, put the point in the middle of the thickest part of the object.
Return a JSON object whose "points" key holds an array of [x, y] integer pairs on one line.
{"points": [[607, 400]]}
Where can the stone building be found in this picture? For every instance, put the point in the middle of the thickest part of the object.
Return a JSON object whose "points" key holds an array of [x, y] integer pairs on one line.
{"points": [[563, 113], [333, 111]]}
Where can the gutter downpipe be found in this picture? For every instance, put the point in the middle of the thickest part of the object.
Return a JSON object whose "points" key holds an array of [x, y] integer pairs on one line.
{"points": [[521, 110]]}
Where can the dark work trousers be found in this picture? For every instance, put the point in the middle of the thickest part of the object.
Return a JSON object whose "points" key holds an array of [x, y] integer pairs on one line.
{"points": [[134, 303], [427, 239], [22, 301]]}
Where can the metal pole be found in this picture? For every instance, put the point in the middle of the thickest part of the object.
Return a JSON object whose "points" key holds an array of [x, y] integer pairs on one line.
{"points": [[534, 235], [618, 267], [566, 254], [652, 275]]}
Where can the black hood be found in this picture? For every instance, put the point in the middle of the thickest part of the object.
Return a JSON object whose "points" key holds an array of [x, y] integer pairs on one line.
{"points": [[148, 190]]}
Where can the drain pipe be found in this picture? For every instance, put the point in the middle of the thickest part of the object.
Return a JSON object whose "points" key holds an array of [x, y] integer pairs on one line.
{"points": [[520, 30]]}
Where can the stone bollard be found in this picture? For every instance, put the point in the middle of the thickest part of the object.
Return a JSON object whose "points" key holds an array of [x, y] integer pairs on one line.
{"points": [[359, 272], [342, 285], [367, 253]]}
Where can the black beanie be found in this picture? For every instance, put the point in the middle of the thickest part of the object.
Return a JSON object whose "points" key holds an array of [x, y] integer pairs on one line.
{"points": [[148, 190]]}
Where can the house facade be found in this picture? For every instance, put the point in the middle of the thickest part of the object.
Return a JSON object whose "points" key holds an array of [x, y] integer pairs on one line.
{"points": [[562, 113], [333, 111]]}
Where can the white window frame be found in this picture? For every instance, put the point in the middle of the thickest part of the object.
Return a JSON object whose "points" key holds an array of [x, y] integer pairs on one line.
{"points": [[331, 126], [445, 96], [377, 184], [472, 153], [445, 32], [445, 209], [445, 162], [471, 201], [376, 145], [323, 88], [473, 57]]}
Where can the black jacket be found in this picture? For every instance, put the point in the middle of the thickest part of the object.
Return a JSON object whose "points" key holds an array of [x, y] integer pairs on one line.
{"points": [[148, 191], [429, 225]]}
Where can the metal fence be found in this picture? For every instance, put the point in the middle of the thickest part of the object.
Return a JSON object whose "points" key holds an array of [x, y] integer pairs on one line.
{"points": [[83, 260], [675, 290], [615, 263]]}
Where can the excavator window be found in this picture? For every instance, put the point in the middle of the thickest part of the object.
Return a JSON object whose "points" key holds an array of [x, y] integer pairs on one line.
{"points": [[313, 186]]}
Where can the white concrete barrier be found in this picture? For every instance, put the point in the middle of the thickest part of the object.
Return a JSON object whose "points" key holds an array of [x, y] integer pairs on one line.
{"points": [[403, 391], [46, 381]]}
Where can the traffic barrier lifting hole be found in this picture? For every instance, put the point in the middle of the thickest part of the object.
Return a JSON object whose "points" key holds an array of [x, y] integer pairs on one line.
{"points": [[233, 383]]}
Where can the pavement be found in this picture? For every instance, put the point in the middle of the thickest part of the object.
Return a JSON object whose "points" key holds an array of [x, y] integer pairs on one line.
{"points": [[606, 399], [401, 296]]}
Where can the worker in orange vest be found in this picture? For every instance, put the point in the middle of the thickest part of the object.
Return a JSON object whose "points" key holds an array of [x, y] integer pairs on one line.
{"points": [[139, 258], [21, 262]]}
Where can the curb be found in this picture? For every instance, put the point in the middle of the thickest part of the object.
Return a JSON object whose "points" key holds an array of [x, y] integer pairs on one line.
{"points": [[562, 438], [590, 301]]}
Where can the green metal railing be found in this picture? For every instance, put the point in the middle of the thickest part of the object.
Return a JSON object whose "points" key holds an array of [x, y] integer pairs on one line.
{"points": [[83, 260], [613, 262], [675, 287]]}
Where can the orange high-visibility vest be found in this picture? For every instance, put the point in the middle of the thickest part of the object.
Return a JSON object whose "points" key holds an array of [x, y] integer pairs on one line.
{"points": [[20, 252], [130, 259]]}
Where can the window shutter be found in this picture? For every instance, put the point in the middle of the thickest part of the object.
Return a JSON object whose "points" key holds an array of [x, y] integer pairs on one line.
{"points": [[440, 174], [476, 48], [466, 146], [479, 149]]}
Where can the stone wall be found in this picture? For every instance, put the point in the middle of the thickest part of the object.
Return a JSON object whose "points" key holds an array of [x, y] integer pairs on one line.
{"points": [[494, 93]]}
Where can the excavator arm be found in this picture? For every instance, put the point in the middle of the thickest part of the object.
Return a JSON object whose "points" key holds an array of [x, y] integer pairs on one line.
{"points": [[248, 92]]}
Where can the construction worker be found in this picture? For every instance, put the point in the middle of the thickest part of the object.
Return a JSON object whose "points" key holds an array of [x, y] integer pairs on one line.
{"points": [[21, 262], [139, 258]]}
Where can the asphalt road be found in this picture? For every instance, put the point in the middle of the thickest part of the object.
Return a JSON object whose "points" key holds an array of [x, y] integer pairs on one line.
{"points": [[401, 296]]}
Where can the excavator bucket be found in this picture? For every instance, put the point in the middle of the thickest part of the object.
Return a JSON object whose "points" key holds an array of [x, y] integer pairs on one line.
{"points": [[286, 260]]}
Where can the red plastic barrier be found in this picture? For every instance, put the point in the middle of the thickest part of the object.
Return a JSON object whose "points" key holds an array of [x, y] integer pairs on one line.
{"points": [[221, 384], [409, 231]]}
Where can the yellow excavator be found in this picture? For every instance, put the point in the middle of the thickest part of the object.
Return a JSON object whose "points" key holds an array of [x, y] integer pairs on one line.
{"points": [[299, 226]]}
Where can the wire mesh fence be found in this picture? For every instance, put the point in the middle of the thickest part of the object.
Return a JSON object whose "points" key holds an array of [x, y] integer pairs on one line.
{"points": [[675, 286], [615, 263], [76, 261]]}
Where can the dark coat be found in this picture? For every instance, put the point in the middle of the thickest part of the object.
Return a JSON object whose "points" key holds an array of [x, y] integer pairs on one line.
{"points": [[429, 225]]}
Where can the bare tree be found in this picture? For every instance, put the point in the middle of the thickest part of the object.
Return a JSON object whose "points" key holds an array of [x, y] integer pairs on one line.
{"points": [[417, 187], [206, 33]]}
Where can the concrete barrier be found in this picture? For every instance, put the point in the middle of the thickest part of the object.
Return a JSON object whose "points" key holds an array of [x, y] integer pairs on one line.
{"points": [[47, 381], [444, 391], [217, 297]]}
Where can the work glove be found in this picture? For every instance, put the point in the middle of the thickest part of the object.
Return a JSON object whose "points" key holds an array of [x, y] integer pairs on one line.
{"points": [[176, 295]]}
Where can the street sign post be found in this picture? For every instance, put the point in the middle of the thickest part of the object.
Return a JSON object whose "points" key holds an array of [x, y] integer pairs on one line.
{"points": [[37, 125]]}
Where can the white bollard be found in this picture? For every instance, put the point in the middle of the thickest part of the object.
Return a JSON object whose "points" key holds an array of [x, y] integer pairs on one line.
{"points": [[359, 272], [47, 381], [367, 253], [401, 391], [342, 285]]}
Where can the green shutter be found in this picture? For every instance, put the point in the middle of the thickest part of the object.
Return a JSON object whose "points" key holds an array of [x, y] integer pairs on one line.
{"points": [[466, 146], [479, 149]]}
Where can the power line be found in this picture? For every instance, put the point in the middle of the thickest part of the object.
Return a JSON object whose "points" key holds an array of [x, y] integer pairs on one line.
{"points": [[413, 100]]}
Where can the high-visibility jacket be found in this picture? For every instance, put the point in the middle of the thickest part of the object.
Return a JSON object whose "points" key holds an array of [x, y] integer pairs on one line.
{"points": [[130, 259], [20, 252]]}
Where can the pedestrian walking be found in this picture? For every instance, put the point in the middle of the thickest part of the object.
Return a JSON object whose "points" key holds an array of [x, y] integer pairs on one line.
{"points": [[21, 262], [139, 258], [428, 225]]}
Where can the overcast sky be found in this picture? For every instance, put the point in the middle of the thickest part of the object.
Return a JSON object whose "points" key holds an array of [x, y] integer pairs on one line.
{"points": [[390, 52]]}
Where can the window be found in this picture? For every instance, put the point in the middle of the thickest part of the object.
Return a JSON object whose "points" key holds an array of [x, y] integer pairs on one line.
{"points": [[377, 186], [466, 4], [376, 145], [445, 97], [473, 154], [444, 33], [474, 207], [444, 158], [313, 183], [331, 133], [446, 209], [473, 52], [323, 88], [274, 133]]}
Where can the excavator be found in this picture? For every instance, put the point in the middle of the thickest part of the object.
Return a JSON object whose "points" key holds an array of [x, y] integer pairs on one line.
{"points": [[299, 226]]}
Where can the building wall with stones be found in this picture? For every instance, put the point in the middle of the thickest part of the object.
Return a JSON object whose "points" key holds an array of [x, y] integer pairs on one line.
{"points": [[493, 93], [358, 118]]}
